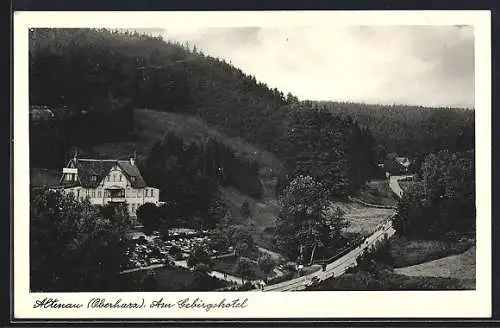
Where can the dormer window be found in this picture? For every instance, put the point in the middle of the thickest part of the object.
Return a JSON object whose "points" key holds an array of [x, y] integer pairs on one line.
{"points": [[93, 178], [132, 179]]}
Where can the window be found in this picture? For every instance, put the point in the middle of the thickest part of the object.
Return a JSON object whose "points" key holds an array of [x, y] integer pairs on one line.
{"points": [[120, 176], [152, 192], [132, 179], [93, 178], [108, 177], [93, 194], [68, 177], [99, 194]]}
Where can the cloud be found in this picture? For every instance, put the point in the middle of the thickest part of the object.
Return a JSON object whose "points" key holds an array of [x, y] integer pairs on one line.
{"points": [[422, 65]]}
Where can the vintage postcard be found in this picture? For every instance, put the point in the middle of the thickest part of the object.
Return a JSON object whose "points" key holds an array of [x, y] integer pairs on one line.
{"points": [[252, 165]]}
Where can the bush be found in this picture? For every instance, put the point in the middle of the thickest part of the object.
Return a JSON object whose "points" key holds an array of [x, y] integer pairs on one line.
{"points": [[199, 256], [245, 268], [286, 276], [149, 215], [246, 286], [266, 263]]}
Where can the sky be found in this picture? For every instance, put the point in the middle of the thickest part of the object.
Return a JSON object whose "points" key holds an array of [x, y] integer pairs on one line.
{"points": [[416, 65]]}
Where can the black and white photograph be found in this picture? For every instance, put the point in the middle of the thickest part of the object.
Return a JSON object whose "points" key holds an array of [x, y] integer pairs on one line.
{"points": [[250, 159]]}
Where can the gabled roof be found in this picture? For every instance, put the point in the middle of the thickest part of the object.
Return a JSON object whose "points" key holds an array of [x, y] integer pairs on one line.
{"points": [[87, 168], [405, 161], [131, 170]]}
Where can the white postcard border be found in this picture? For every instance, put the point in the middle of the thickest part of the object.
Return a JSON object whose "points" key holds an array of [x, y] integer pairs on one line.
{"points": [[397, 304]]}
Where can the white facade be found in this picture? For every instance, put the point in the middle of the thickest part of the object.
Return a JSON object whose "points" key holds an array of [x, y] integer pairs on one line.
{"points": [[115, 187]]}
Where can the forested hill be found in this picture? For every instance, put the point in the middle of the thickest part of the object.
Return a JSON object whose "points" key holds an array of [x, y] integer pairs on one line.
{"points": [[107, 74], [82, 68], [410, 130], [94, 79]]}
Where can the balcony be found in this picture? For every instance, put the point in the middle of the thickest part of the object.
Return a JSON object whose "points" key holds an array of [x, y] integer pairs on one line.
{"points": [[116, 200], [115, 195]]}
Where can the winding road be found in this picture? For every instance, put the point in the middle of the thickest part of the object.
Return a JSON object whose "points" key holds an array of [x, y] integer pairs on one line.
{"points": [[340, 266], [393, 183], [333, 269]]}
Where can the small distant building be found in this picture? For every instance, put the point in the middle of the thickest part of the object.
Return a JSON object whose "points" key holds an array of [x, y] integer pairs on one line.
{"points": [[41, 113], [107, 181], [404, 162]]}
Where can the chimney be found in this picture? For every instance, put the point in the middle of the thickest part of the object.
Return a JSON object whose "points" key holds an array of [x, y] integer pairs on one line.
{"points": [[132, 159]]}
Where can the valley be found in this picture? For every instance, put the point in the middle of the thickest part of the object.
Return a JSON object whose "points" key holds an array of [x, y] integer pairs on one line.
{"points": [[249, 188]]}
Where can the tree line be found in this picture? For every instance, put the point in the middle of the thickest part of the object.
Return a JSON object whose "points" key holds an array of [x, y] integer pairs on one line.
{"points": [[75, 246], [442, 201], [189, 175], [107, 74], [111, 120], [332, 149], [69, 65], [410, 130]]}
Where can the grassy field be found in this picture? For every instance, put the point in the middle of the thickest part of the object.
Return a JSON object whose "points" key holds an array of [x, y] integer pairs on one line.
{"points": [[377, 192], [461, 266], [406, 252], [419, 265], [168, 279], [387, 281], [363, 219], [44, 177]]}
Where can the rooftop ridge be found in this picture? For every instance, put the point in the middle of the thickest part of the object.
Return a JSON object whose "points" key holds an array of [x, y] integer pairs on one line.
{"points": [[97, 160]]}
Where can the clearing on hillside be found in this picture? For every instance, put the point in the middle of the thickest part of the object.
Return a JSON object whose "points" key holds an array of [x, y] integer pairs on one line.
{"points": [[363, 219], [152, 125]]}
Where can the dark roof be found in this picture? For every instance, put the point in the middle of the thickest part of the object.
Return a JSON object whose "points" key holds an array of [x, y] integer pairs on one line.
{"points": [[100, 169], [132, 171]]}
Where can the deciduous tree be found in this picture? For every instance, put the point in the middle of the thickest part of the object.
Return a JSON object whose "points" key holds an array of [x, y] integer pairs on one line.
{"points": [[306, 220]]}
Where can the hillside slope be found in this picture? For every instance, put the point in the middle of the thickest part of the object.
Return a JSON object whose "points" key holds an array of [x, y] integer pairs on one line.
{"points": [[148, 72], [411, 130], [139, 71], [462, 266], [152, 125]]}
